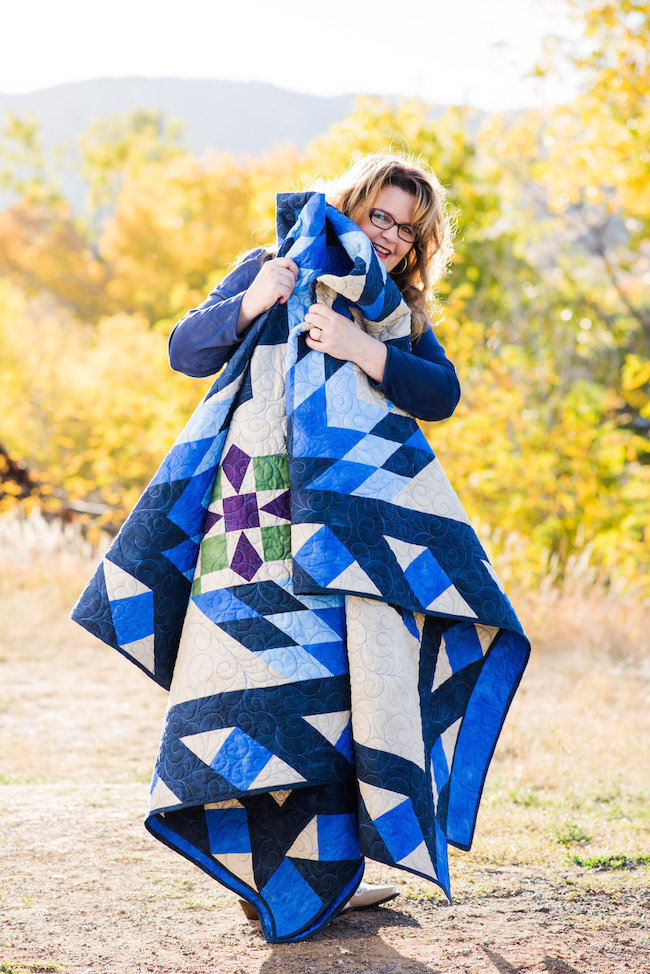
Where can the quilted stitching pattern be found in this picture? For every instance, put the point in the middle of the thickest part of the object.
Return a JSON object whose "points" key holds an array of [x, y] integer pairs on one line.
{"points": [[301, 576]]}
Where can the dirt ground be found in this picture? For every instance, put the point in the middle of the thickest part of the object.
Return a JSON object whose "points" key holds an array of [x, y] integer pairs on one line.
{"points": [[557, 880]]}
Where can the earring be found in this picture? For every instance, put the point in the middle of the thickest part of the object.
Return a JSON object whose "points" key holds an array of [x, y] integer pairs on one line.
{"points": [[400, 270]]}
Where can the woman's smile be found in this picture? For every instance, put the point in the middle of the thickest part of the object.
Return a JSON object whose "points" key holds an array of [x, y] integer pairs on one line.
{"points": [[382, 251], [387, 244]]}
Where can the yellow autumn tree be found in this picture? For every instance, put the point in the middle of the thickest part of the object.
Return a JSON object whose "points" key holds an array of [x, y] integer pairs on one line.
{"points": [[540, 446]]}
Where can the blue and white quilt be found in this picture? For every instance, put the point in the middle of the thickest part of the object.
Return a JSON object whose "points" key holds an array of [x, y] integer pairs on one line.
{"points": [[300, 575]]}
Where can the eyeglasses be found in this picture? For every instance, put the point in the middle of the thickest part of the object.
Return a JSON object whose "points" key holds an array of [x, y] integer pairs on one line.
{"points": [[385, 221]]}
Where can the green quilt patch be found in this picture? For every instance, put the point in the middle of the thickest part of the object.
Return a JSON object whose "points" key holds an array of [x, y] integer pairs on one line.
{"points": [[214, 554], [271, 473], [276, 542]]}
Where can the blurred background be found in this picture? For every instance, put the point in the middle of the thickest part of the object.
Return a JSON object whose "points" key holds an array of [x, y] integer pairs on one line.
{"points": [[140, 153], [141, 147]]}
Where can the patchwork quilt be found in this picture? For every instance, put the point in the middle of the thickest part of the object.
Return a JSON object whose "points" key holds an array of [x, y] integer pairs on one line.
{"points": [[301, 577]]}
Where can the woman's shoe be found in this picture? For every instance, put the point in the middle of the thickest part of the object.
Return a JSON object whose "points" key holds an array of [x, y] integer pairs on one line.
{"points": [[249, 910], [367, 895]]}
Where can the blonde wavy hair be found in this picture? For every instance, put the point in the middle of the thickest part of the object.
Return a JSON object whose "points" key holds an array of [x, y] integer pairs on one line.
{"points": [[354, 194]]}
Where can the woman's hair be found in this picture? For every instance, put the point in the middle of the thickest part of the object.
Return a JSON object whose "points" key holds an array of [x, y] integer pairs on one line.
{"points": [[356, 190]]}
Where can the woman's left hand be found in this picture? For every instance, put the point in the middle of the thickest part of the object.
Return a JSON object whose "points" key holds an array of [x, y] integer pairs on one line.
{"points": [[341, 338]]}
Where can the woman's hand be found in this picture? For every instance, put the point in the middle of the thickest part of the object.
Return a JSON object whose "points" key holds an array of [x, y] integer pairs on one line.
{"points": [[275, 282], [342, 339]]}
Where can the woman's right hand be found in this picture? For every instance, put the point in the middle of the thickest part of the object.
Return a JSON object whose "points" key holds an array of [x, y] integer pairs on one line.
{"points": [[275, 282]]}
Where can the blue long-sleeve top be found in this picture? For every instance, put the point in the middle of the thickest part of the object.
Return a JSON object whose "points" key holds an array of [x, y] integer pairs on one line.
{"points": [[423, 382]]}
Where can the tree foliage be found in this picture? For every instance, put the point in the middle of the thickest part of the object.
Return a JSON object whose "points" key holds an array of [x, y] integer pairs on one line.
{"points": [[544, 311]]}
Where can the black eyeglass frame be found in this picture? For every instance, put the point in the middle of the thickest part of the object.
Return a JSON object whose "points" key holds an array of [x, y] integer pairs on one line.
{"points": [[393, 223]]}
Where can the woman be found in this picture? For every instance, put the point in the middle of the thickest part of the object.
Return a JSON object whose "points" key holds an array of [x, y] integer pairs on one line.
{"points": [[301, 577], [400, 206]]}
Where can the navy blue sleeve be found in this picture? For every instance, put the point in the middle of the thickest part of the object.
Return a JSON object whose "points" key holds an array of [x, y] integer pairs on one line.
{"points": [[205, 338], [423, 381]]}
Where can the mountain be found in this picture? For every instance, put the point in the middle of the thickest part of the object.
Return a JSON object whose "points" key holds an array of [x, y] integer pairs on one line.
{"points": [[245, 118], [241, 117]]}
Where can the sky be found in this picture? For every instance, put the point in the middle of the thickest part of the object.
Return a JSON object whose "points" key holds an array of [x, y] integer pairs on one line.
{"points": [[460, 51]]}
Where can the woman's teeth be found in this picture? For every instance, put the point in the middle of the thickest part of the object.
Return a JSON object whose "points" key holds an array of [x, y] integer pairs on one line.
{"points": [[381, 251]]}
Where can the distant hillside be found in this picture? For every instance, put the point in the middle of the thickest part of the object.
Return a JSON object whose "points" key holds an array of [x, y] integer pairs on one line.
{"points": [[245, 118], [242, 117]]}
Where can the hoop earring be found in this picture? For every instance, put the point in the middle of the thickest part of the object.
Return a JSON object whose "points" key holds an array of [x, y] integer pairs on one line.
{"points": [[400, 270]]}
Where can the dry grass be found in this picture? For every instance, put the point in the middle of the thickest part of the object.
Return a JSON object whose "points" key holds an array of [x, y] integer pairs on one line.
{"points": [[35, 552], [576, 608], [56, 719]]}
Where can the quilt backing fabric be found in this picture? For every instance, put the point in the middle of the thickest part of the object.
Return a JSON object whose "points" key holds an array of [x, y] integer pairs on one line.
{"points": [[300, 575]]}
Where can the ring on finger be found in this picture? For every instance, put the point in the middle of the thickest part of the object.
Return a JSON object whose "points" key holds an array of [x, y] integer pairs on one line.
{"points": [[317, 337]]}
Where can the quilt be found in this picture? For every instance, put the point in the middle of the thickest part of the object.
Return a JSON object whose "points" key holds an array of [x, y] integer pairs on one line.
{"points": [[301, 577]]}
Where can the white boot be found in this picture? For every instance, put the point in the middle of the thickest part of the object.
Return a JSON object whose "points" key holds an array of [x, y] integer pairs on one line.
{"points": [[367, 895]]}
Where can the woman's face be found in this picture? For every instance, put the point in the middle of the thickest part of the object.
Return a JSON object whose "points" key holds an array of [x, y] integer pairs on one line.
{"points": [[389, 247]]}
